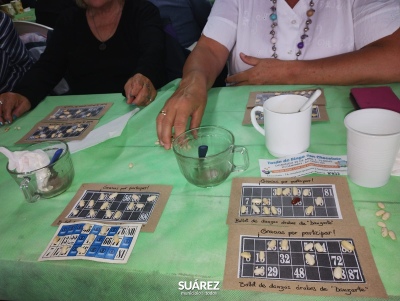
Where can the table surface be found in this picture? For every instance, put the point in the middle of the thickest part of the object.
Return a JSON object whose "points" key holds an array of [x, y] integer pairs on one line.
{"points": [[26, 16], [190, 240]]}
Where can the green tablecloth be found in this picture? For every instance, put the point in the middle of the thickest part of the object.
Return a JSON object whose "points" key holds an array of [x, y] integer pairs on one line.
{"points": [[26, 16], [190, 240]]}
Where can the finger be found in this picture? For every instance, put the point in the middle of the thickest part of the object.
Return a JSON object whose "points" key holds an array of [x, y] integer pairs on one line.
{"points": [[166, 122], [180, 123], [127, 89], [21, 108], [152, 97], [134, 88], [143, 97], [159, 125], [140, 99], [243, 83], [151, 93], [231, 80], [236, 79], [249, 60], [2, 121], [5, 113], [195, 122]]}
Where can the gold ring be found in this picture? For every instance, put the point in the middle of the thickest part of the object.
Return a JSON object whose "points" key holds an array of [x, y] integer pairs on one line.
{"points": [[163, 112]]}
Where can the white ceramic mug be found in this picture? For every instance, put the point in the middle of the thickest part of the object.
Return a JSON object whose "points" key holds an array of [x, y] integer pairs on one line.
{"points": [[286, 130]]}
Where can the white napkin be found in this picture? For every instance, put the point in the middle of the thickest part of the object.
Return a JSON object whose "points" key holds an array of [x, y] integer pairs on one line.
{"points": [[28, 161], [109, 130], [25, 161], [396, 166]]}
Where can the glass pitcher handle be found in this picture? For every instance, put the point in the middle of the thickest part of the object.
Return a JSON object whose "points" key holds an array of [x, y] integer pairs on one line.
{"points": [[243, 151], [29, 193]]}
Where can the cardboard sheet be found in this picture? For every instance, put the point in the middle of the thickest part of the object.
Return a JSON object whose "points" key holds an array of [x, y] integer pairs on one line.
{"points": [[258, 98], [66, 123], [254, 263], [329, 198], [117, 204]]}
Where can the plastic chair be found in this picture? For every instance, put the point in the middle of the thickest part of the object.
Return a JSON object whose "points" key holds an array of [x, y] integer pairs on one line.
{"points": [[23, 27]]}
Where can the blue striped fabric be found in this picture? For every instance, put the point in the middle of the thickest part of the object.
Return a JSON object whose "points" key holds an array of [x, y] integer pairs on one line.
{"points": [[15, 60]]}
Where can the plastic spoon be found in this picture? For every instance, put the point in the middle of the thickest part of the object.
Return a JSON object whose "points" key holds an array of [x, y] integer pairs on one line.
{"points": [[56, 156], [202, 151], [8, 154], [205, 173], [311, 100]]}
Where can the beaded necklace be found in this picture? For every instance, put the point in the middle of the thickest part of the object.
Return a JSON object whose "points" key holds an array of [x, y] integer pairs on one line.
{"points": [[274, 17]]}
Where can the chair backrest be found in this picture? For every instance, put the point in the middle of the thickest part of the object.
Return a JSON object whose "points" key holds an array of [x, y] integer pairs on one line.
{"points": [[28, 27]]}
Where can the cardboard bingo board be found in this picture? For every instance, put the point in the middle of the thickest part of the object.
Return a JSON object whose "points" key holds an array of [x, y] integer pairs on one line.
{"points": [[318, 113], [306, 261], [66, 123], [303, 201], [258, 98], [94, 111], [66, 131], [117, 204], [92, 241]]}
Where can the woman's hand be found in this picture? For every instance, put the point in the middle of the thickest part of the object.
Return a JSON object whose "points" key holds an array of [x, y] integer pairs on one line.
{"points": [[263, 71], [12, 105], [139, 90], [188, 102]]}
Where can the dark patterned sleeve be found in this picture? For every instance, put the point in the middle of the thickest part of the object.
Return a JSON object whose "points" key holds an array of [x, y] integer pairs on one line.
{"points": [[14, 57]]}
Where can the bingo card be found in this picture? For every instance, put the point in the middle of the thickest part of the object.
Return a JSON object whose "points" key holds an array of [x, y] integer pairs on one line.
{"points": [[92, 241], [117, 204], [301, 260], [285, 201]]}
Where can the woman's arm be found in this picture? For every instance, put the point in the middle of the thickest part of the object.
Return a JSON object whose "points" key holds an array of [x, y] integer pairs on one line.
{"points": [[376, 63], [189, 100]]}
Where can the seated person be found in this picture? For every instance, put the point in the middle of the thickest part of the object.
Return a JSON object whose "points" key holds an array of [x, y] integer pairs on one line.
{"points": [[14, 57], [184, 20], [187, 17], [48, 11], [106, 46], [28, 3], [326, 42]]}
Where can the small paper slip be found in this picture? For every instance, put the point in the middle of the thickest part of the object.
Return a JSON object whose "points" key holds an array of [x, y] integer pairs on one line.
{"points": [[107, 131], [304, 164], [92, 241]]}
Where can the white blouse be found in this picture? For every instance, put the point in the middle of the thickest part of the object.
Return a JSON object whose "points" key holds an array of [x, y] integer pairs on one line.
{"points": [[338, 26]]}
